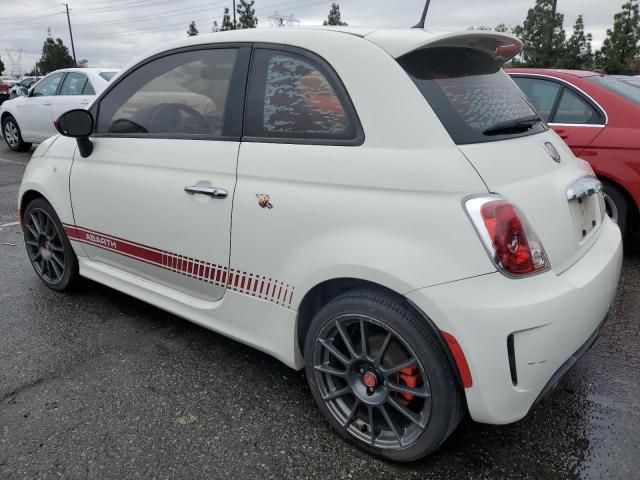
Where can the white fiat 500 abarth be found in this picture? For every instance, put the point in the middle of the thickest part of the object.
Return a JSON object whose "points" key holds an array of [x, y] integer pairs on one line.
{"points": [[380, 207]]}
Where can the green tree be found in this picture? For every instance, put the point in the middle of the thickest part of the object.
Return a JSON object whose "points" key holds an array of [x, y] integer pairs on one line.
{"points": [[577, 51], [1, 66], [227, 23], [246, 14], [215, 27], [335, 17], [193, 31], [502, 28], [542, 35], [621, 45], [54, 56]]}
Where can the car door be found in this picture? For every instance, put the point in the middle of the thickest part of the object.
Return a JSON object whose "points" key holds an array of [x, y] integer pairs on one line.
{"points": [[76, 92], [154, 197], [574, 118], [34, 112]]}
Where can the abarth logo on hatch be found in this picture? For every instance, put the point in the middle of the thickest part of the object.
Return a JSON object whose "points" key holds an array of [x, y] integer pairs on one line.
{"points": [[551, 150], [263, 200]]}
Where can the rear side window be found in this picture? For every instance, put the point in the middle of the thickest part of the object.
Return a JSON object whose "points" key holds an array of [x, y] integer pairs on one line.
{"points": [[74, 84], [107, 75], [542, 93], [470, 93], [572, 109], [292, 96]]}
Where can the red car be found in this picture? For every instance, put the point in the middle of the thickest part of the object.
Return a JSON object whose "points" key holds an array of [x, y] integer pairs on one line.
{"points": [[599, 118]]}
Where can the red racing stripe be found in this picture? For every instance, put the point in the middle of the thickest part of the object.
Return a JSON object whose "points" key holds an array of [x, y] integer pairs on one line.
{"points": [[242, 282]]}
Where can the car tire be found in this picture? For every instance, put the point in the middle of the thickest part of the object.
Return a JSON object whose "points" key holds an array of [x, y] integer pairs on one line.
{"points": [[412, 410], [48, 246], [617, 206], [13, 136]]}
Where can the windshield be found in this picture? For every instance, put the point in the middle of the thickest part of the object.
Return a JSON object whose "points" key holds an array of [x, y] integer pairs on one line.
{"points": [[624, 89], [473, 97], [108, 75]]}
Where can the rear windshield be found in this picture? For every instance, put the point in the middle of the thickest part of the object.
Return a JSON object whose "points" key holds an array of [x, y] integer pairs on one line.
{"points": [[473, 97], [624, 89], [107, 75]]}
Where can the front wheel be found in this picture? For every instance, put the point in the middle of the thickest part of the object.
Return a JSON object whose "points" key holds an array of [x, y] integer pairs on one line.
{"points": [[48, 246], [380, 376], [13, 136]]}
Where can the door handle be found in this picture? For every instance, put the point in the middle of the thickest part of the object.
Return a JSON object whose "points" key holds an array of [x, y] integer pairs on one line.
{"points": [[214, 192], [84, 102], [47, 103]]}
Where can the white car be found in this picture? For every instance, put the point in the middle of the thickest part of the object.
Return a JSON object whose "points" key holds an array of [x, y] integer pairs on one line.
{"points": [[405, 226], [29, 119]]}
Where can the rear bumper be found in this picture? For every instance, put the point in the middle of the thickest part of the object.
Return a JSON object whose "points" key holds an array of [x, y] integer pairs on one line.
{"points": [[568, 365], [520, 336]]}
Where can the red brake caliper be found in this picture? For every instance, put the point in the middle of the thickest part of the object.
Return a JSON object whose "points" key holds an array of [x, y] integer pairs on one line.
{"points": [[410, 377]]}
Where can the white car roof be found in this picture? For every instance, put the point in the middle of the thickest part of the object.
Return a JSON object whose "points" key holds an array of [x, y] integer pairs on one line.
{"points": [[85, 70], [396, 42]]}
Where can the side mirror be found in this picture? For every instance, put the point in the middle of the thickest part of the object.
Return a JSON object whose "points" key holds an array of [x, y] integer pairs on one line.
{"points": [[77, 124]]}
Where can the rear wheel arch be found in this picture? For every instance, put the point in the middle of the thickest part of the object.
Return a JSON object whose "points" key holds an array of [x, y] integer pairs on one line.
{"points": [[324, 292]]}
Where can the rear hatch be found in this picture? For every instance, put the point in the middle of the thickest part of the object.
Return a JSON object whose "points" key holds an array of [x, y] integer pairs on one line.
{"points": [[506, 141]]}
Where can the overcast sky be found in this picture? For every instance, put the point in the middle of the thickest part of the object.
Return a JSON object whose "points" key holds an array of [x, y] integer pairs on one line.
{"points": [[110, 33]]}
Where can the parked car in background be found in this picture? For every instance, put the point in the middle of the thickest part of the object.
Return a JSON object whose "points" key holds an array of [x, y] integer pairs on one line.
{"points": [[406, 227], [9, 80], [4, 91], [22, 87], [29, 119], [598, 116]]}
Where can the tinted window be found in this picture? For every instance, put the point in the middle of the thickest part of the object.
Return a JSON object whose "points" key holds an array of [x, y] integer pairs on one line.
{"points": [[469, 92], [292, 97], [48, 86], [107, 75], [572, 109], [185, 94], [74, 84], [542, 93], [630, 91]]}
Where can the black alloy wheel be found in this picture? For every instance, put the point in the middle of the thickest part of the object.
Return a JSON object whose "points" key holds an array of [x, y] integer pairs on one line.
{"points": [[48, 247], [380, 376], [378, 391]]}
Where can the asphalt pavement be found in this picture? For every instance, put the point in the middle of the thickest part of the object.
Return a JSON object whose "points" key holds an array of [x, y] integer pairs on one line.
{"points": [[97, 385]]}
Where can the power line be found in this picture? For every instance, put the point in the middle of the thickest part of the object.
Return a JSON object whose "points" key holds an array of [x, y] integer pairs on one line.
{"points": [[185, 11], [27, 17]]}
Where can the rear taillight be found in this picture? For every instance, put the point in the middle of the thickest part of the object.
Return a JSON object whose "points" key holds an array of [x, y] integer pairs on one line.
{"points": [[513, 246]]}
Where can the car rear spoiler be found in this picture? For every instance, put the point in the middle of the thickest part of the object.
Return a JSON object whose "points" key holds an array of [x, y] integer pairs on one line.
{"points": [[500, 46]]}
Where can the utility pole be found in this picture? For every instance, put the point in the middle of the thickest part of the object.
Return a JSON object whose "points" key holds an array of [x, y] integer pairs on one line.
{"points": [[234, 14], [73, 48]]}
